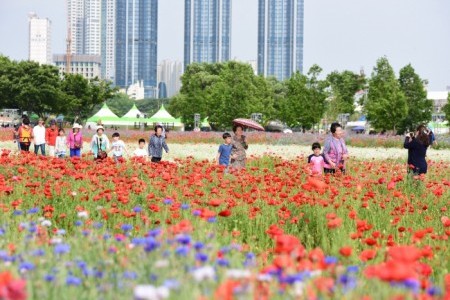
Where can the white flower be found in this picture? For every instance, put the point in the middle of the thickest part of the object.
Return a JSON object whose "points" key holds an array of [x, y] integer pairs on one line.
{"points": [[145, 292], [161, 263], [46, 223], [238, 273], [83, 214], [264, 277], [162, 292], [204, 273], [74, 193], [299, 288], [56, 240]]}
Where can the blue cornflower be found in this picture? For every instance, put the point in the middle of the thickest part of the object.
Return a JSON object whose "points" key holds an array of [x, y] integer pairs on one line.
{"points": [[32, 229], [3, 255], [330, 260], [61, 232], [33, 210], [434, 291], [38, 252], [184, 206], [412, 284], [182, 251], [196, 213], [81, 264], [201, 257], [223, 262], [72, 280], [98, 225], [168, 201], [49, 277], [17, 212], [183, 239], [61, 248], [151, 244], [199, 245], [138, 241], [250, 255], [137, 209], [127, 227], [155, 232], [212, 220], [348, 282], [153, 277], [106, 236], [26, 266], [129, 275], [2, 231], [78, 223], [225, 249], [353, 269]]}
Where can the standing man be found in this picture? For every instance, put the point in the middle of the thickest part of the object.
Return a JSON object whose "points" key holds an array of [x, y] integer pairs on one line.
{"points": [[50, 137], [39, 137]]}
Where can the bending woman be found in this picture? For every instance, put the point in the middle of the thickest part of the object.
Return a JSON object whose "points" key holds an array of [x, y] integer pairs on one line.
{"points": [[417, 145]]}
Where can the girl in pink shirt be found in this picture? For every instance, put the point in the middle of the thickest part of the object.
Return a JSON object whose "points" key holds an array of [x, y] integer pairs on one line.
{"points": [[316, 160]]}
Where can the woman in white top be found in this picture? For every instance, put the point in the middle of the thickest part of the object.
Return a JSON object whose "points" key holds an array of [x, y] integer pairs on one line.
{"points": [[60, 144], [39, 137]]}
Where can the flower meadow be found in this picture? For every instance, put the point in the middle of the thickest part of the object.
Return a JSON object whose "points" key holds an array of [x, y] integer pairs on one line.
{"points": [[77, 229]]}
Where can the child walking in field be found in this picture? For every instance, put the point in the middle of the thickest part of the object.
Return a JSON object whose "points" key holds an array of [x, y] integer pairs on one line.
{"points": [[316, 160], [117, 147], [224, 153], [60, 144], [141, 151]]}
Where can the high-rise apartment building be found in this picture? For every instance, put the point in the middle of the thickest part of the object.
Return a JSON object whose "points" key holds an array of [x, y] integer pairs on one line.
{"points": [[280, 37], [136, 44], [207, 31], [92, 31], [108, 38], [40, 49], [169, 73]]}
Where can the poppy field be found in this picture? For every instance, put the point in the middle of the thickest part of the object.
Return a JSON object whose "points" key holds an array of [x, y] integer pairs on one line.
{"points": [[76, 229]]}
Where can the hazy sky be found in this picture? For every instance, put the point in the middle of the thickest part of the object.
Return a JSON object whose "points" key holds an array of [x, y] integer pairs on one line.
{"points": [[339, 34]]}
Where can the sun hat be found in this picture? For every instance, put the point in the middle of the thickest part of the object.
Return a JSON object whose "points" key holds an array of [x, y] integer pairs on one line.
{"points": [[76, 125], [100, 127]]}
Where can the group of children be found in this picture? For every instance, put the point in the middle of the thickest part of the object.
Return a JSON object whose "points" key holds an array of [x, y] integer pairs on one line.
{"points": [[316, 160]]}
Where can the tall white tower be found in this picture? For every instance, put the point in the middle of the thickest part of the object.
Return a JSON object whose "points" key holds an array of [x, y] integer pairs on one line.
{"points": [[40, 49]]}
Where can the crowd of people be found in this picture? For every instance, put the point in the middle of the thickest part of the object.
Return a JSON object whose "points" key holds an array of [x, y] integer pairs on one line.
{"points": [[231, 154]]}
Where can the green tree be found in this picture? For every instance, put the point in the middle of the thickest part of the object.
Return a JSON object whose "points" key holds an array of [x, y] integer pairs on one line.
{"points": [[82, 95], [35, 88], [446, 110], [385, 105], [222, 92], [419, 107], [7, 67], [305, 99], [343, 86]]}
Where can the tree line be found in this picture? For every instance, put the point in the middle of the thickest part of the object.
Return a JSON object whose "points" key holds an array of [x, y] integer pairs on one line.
{"points": [[224, 91], [229, 90], [41, 89]]}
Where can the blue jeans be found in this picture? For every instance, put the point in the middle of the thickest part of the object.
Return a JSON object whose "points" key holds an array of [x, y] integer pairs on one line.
{"points": [[36, 149], [75, 152]]}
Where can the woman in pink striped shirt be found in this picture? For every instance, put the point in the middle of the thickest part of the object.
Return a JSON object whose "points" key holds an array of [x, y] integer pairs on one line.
{"points": [[75, 141], [335, 151]]}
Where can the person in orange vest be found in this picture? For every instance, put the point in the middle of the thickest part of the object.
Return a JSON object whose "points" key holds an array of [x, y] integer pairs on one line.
{"points": [[25, 135]]}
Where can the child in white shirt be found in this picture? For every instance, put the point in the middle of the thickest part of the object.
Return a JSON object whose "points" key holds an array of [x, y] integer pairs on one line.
{"points": [[117, 147], [61, 144], [141, 151]]}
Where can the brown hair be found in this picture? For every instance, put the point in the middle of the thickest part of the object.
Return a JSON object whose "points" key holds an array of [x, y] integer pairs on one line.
{"points": [[422, 135]]}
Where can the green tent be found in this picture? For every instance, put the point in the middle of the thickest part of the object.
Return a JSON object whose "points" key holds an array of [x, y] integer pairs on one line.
{"points": [[162, 116], [106, 116]]}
